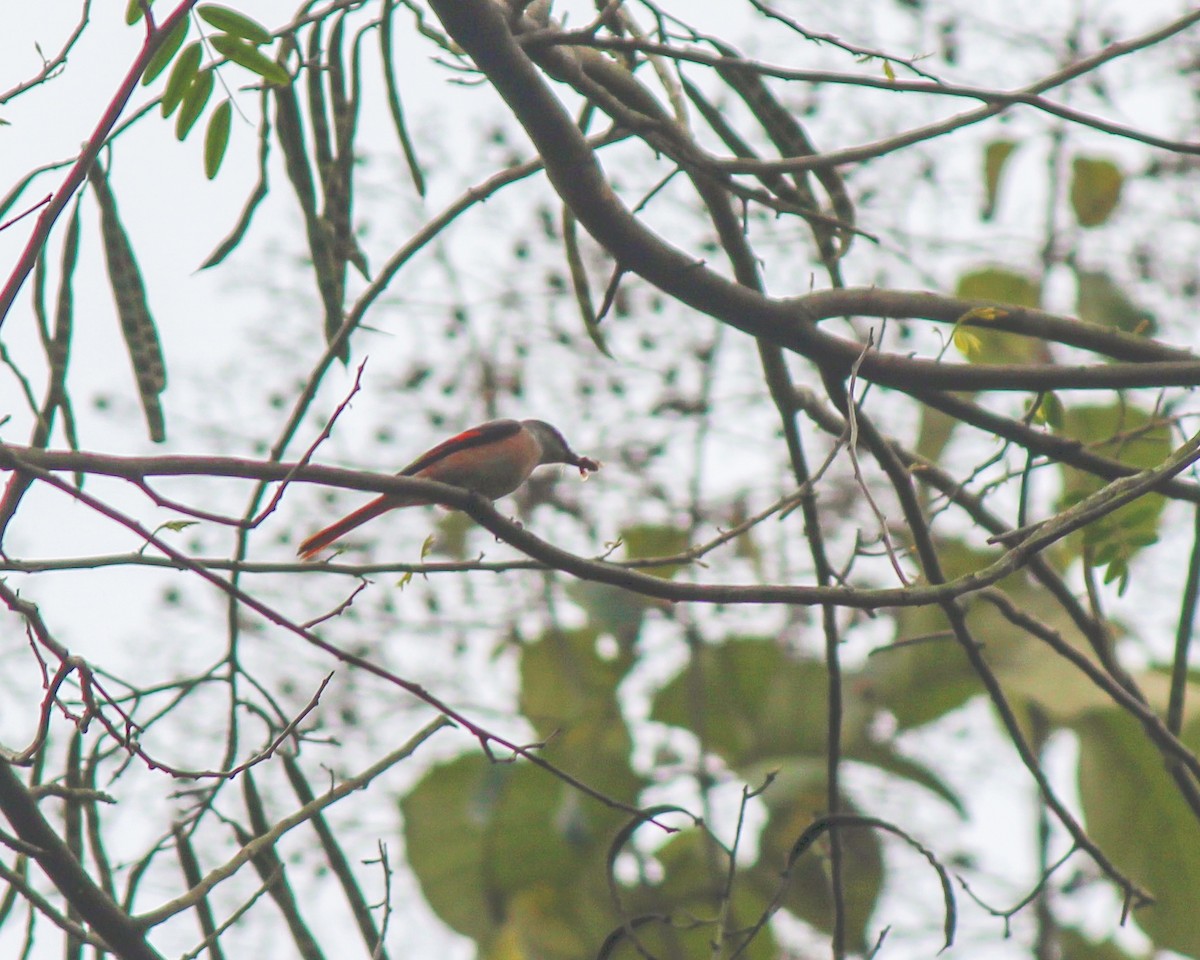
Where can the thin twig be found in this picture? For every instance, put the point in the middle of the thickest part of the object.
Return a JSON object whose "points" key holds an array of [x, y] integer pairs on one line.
{"points": [[21, 216], [852, 449], [268, 839], [77, 173]]}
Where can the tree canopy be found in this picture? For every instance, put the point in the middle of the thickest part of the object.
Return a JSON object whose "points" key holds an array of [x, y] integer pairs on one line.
{"points": [[871, 636]]}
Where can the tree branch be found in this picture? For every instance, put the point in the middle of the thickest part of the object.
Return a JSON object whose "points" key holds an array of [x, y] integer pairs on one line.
{"points": [[77, 173]]}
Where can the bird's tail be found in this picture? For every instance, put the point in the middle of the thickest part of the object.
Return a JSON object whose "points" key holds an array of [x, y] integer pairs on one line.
{"points": [[335, 531]]}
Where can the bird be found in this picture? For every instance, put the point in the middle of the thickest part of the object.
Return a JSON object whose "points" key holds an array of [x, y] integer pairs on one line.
{"points": [[491, 459]]}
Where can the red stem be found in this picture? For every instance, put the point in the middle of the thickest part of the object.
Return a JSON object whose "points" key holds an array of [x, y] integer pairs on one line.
{"points": [[75, 176]]}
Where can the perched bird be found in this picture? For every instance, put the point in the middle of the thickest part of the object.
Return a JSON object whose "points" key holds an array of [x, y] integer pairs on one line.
{"points": [[492, 459]]}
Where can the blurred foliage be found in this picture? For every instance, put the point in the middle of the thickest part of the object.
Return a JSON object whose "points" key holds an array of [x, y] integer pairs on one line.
{"points": [[995, 162], [1096, 185], [629, 698], [1102, 300], [1131, 436], [1119, 780], [972, 338]]}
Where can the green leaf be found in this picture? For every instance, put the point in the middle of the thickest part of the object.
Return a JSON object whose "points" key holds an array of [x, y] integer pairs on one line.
{"points": [[445, 819], [687, 861], [752, 701], [1129, 434], [568, 693], [246, 55], [995, 159], [1048, 410], [761, 708], [134, 11], [980, 345], [655, 540], [1136, 814], [1101, 300], [183, 74], [193, 103], [936, 430], [169, 47], [216, 138], [257, 195], [427, 546], [505, 851], [1095, 190], [612, 610], [926, 675], [452, 537], [1118, 570], [1000, 285], [1075, 946], [234, 23], [791, 801], [969, 343], [1120, 431]]}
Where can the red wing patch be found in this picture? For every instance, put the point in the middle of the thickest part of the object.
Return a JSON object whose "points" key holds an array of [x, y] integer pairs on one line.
{"points": [[491, 432]]}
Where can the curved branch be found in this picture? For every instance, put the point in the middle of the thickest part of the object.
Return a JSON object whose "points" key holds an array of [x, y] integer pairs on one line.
{"points": [[94, 906], [1035, 540], [1063, 449], [268, 839], [480, 27], [939, 128], [991, 96], [955, 613], [435, 493], [924, 304], [51, 67], [45, 222]]}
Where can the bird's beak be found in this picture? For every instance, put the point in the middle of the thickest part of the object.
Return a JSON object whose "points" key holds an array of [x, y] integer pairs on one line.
{"points": [[585, 465]]}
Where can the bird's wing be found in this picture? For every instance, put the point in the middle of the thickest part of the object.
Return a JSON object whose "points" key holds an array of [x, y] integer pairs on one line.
{"points": [[491, 432]]}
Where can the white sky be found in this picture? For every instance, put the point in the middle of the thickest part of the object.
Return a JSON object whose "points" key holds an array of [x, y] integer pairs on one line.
{"points": [[176, 217]]}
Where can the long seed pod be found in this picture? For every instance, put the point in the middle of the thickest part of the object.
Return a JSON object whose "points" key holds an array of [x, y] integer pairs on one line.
{"points": [[330, 271], [133, 310]]}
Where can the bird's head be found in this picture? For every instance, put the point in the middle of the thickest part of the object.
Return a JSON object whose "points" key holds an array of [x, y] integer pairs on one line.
{"points": [[555, 448]]}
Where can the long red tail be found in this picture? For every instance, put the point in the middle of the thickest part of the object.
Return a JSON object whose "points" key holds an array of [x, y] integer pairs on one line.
{"points": [[335, 531]]}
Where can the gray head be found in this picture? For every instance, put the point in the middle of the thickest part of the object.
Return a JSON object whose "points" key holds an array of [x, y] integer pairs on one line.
{"points": [[555, 448]]}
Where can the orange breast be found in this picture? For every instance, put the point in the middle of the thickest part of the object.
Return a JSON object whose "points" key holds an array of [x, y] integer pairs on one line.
{"points": [[493, 470]]}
